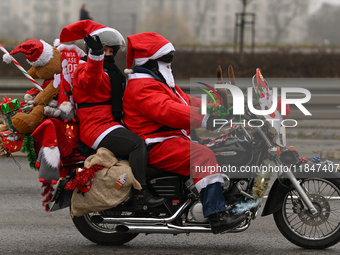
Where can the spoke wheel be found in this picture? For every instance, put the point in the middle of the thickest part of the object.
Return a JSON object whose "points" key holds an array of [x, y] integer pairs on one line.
{"points": [[304, 229]]}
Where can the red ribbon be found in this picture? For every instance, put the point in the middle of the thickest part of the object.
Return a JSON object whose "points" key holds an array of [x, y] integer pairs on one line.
{"points": [[11, 105], [6, 100]]}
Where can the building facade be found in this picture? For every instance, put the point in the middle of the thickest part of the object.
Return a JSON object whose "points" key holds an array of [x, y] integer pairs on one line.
{"points": [[205, 22]]}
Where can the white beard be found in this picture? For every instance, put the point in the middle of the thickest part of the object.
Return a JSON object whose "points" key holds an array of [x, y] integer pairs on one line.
{"points": [[165, 70]]}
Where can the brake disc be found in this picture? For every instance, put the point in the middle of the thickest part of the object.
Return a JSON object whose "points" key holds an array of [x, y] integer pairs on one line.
{"points": [[322, 206]]}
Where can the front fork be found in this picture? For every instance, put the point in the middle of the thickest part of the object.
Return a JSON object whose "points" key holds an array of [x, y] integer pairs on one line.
{"points": [[302, 193], [289, 175]]}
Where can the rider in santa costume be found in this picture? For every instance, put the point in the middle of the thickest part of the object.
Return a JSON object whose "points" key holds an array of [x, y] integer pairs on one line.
{"points": [[162, 114], [98, 87]]}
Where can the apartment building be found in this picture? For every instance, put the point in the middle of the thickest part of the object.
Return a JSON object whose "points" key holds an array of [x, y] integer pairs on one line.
{"points": [[207, 22]]}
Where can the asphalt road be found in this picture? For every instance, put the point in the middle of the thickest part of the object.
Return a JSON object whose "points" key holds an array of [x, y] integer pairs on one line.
{"points": [[25, 228]]}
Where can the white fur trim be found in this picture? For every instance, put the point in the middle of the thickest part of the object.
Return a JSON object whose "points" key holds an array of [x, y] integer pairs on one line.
{"points": [[56, 42], [158, 139], [45, 56], [167, 48], [69, 47], [140, 76], [52, 156], [128, 71], [7, 58], [95, 57], [210, 179], [66, 107]]}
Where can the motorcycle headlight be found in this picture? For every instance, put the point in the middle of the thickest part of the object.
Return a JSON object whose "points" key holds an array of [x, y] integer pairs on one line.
{"points": [[289, 157]]}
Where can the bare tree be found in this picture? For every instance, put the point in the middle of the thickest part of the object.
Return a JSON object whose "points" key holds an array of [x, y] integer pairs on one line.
{"points": [[202, 11], [283, 13], [323, 25], [244, 7], [170, 25]]}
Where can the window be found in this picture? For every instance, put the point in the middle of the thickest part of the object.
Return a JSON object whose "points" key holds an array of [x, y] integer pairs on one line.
{"points": [[66, 2], [212, 20], [54, 3], [66, 16], [26, 2], [185, 6], [39, 16], [227, 7], [269, 33], [26, 15], [212, 6], [4, 16], [227, 20], [213, 32]]}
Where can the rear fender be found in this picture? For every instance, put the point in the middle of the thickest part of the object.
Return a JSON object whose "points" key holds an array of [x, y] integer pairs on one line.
{"points": [[62, 197]]}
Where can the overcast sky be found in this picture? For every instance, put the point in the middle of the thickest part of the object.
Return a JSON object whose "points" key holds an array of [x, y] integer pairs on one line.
{"points": [[315, 4]]}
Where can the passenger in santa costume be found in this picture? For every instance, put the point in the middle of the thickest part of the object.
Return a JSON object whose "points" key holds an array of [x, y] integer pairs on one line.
{"points": [[98, 87], [162, 114]]}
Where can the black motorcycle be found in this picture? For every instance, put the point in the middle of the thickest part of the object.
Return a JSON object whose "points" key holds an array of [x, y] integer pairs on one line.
{"points": [[304, 198]]}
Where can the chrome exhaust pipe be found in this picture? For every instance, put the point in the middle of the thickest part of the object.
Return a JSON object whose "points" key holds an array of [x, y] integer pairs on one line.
{"points": [[147, 229], [167, 229], [100, 219]]}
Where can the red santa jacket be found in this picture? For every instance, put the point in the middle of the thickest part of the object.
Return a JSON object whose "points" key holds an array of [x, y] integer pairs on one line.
{"points": [[153, 111], [92, 85]]}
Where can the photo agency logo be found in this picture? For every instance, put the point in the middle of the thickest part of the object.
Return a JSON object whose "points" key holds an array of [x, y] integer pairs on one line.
{"points": [[271, 107]]}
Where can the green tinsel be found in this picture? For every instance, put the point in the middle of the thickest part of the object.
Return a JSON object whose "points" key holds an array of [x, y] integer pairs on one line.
{"points": [[219, 111], [256, 96], [28, 146]]}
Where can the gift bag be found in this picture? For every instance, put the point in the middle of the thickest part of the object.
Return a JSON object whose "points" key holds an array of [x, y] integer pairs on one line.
{"points": [[11, 141], [108, 188]]}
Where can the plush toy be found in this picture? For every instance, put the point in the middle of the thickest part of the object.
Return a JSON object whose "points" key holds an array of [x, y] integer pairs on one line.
{"points": [[46, 63]]}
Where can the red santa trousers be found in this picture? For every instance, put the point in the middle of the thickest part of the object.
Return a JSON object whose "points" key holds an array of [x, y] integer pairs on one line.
{"points": [[184, 157]]}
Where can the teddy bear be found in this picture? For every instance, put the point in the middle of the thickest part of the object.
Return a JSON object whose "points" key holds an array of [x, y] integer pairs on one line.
{"points": [[46, 64]]}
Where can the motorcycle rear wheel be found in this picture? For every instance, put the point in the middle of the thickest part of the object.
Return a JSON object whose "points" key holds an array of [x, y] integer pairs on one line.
{"points": [[101, 233], [304, 229]]}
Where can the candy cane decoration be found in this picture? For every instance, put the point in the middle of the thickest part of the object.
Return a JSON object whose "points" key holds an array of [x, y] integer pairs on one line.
{"points": [[21, 69]]}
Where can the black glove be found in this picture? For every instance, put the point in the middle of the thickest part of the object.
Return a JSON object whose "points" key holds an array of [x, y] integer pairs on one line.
{"points": [[94, 44], [212, 126]]}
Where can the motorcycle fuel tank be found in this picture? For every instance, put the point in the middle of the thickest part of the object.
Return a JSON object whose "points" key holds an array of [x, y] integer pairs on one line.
{"points": [[233, 151]]}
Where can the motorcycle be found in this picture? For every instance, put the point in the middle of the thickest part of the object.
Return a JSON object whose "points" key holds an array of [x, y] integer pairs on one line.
{"points": [[304, 203]]}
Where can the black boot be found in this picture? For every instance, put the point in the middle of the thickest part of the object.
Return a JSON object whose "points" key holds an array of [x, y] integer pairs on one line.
{"points": [[146, 198], [220, 222]]}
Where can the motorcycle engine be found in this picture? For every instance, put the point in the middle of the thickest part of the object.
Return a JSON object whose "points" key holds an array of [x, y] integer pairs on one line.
{"points": [[196, 213]]}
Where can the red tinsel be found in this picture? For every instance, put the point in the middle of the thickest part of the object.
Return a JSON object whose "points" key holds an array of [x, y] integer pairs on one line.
{"points": [[83, 177], [48, 194]]}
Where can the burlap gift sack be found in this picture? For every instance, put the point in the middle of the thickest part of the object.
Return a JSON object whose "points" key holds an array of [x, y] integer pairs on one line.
{"points": [[103, 194]]}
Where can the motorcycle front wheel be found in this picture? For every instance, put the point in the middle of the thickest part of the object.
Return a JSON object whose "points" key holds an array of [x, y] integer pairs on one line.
{"points": [[101, 233], [300, 227]]}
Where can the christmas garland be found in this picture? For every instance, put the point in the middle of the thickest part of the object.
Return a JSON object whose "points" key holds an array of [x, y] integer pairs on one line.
{"points": [[83, 177], [28, 146]]}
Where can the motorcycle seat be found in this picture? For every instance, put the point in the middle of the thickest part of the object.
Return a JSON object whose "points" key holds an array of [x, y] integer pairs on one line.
{"points": [[154, 173]]}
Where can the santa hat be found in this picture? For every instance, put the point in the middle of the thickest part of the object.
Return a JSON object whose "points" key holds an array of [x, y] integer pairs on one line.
{"points": [[37, 53], [144, 46], [46, 130], [79, 29]]}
